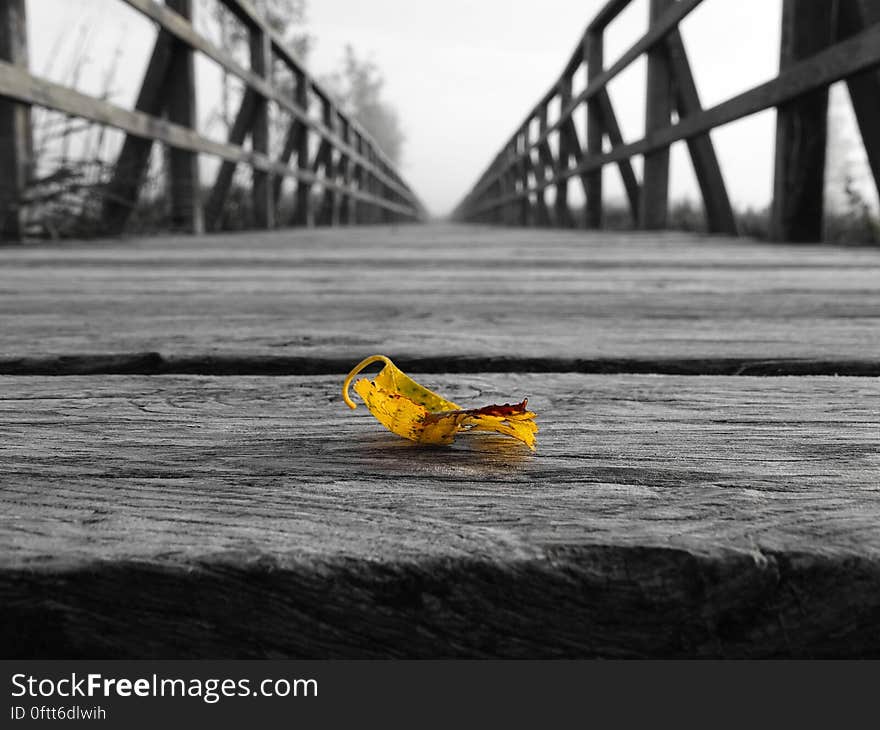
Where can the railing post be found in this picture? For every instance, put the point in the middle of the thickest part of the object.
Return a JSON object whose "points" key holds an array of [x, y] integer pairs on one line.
{"points": [[263, 189], [509, 208], [16, 146], [864, 88], [801, 128], [563, 212], [716, 204], [303, 214], [658, 114], [358, 144], [543, 212], [129, 171], [185, 192], [594, 55], [346, 211], [525, 202]]}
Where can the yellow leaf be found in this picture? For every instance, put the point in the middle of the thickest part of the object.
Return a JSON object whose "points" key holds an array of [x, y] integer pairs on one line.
{"points": [[410, 410]]}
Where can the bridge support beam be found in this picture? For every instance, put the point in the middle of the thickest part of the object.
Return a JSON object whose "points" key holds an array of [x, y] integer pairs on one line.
{"points": [[184, 187], [303, 214], [654, 210], [719, 214], [594, 54], [801, 128], [263, 191], [16, 145], [864, 88]]}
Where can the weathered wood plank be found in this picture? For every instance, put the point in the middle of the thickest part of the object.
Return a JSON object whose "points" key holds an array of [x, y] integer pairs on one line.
{"points": [[457, 291], [661, 516]]}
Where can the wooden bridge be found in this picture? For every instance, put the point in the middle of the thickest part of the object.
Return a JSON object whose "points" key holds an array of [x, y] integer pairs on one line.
{"points": [[180, 478]]}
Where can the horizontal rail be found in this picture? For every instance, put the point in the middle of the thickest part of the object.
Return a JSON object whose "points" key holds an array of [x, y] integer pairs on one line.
{"points": [[849, 57], [654, 34], [283, 51], [823, 41], [20, 85], [181, 29], [342, 175]]}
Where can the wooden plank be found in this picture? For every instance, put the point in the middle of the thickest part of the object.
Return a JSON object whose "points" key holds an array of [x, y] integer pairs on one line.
{"points": [[124, 187], [184, 185], [857, 54], [594, 54], [699, 517], [801, 124], [719, 214], [654, 202], [16, 145], [446, 291], [262, 190], [864, 88]]}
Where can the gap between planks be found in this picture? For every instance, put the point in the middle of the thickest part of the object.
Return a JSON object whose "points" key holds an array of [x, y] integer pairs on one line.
{"points": [[154, 363]]}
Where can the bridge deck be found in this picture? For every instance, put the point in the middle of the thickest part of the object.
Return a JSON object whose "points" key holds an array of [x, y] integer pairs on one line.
{"points": [[181, 507]]}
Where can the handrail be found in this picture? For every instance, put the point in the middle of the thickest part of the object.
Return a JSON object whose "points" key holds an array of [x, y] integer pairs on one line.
{"points": [[511, 189], [357, 181], [180, 28]]}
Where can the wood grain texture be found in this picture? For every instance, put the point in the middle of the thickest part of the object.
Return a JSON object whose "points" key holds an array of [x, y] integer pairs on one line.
{"points": [[441, 291], [661, 516]]}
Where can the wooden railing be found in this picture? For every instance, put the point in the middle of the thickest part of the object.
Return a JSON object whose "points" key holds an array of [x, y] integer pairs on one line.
{"points": [[823, 41], [347, 180]]}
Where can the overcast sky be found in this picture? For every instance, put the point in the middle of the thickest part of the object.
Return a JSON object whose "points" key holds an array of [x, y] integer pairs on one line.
{"points": [[462, 74]]}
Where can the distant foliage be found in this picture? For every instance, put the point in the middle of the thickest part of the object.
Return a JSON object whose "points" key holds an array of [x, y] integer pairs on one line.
{"points": [[357, 87], [288, 17]]}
